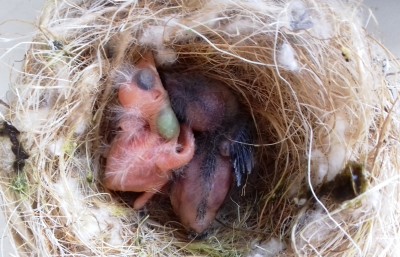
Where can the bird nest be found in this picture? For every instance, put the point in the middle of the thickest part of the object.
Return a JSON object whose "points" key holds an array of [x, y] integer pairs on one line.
{"points": [[318, 89]]}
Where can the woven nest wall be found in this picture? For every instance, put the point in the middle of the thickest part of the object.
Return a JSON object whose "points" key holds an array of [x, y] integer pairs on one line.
{"points": [[318, 88]]}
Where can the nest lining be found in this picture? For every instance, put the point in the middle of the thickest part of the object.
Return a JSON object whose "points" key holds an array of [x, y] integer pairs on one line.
{"points": [[310, 76]]}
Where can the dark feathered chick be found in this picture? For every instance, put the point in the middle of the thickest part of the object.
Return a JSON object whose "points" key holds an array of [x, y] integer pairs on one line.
{"points": [[223, 150]]}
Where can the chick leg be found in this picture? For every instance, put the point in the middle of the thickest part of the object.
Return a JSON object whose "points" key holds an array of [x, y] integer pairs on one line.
{"points": [[142, 200]]}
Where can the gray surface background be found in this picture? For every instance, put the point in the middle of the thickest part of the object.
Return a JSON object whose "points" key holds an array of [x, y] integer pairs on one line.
{"points": [[17, 21]]}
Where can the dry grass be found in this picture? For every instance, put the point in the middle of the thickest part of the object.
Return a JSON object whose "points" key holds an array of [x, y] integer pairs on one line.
{"points": [[311, 76]]}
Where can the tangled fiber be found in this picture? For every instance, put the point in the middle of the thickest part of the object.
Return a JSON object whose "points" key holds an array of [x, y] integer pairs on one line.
{"points": [[318, 88]]}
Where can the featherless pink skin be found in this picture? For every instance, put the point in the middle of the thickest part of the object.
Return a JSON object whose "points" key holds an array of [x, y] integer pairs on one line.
{"points": [[141, 158], [196, 197]]}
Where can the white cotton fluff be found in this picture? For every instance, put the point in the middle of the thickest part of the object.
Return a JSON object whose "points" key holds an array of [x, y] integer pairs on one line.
{"points": [[337, 154], [87, 84], [81, 127], [56, 148], [32, 120], [93, 223], [300, 201], [156, 36], [69, 195], [321, 29], [173, 28], [5, 152], [88, 223], [239, 27], [267, 249], [165, 56], [287, 57], [317, 229], [319, 167], [299, 16]]}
